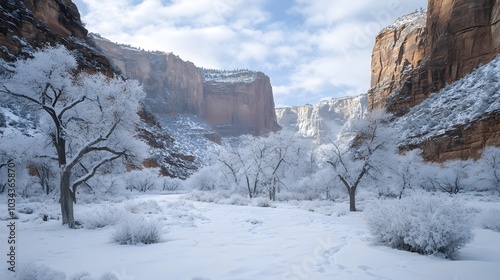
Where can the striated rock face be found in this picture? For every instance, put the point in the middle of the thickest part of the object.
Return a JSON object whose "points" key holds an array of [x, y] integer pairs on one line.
{"points": [[322, 121], [238, 102], [235, 102], [465, 141], [398, 50], [171, 84], [459, 35], [30, 24]]}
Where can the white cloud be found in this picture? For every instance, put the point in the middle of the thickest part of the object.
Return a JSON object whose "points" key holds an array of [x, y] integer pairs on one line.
{"points": [[315, 49]]}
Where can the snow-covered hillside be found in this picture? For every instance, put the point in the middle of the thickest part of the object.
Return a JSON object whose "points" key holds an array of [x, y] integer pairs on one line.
{"points": [[323, 120], [465, 101]]}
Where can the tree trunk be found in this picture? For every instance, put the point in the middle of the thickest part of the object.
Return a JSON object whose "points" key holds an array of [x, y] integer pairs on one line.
{"points": [[352, 201], [66, 201]]}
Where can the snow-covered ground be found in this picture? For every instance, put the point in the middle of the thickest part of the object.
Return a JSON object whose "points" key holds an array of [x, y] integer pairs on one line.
{"points": [[304, 240]]}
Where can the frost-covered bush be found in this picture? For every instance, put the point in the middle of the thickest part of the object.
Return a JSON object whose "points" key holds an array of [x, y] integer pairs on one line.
{"points": [[144, 207], [134, 230], [422, 224], [99, 218], [37, 272], [171, 184], [490, 219], [263, 202], [219, 197]]}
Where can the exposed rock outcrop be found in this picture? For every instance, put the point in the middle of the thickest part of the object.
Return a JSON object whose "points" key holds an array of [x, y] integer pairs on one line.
{"points": [[399, 49], [322, 121], [465, 141], [234, 102], [172, 85], [459, 35], [30, 24], [237, 102]]}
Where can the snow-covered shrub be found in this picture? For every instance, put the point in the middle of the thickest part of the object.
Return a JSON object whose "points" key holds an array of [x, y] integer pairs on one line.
{"points": [[263, 202], [81, 276], [134, 230], [219, 197], [170, 184], [422, 224], [143, 180], [144, 207], [37, 272], [490, 219], [105, 216]]}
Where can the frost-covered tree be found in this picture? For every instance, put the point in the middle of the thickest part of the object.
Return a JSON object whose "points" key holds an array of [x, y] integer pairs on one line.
{"points": [[352, 165], [87, 119], [490, 166], [264, 164]]}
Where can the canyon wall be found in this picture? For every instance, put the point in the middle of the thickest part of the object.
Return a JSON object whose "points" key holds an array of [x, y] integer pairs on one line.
{"points": [[458, 36], [324, 120], [241, 100], [234, 102], [399, 49], [31, 24]]}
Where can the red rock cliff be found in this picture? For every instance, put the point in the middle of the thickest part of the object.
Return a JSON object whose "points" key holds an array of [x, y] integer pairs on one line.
{"points": [[241, 100], [30, 24], [172, 85], [458, 36], [399, 49], [235, 102]]}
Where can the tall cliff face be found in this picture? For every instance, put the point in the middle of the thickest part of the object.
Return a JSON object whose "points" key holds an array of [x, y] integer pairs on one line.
{"points": [[26, 25], [399, 49], [171, 84], [458, 36], [234, 102], [322, 121], [241, 100]]}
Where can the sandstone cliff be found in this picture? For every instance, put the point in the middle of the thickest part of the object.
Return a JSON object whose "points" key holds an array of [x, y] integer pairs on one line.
{"points": [[322, 121], [458, 36], [239, 102], [399, 49], [172, 85], [234, 102], [30, 24]]}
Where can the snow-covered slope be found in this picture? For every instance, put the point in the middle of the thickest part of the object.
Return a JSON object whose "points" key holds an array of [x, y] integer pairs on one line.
{"points": [[459, 104], [323, 120]]}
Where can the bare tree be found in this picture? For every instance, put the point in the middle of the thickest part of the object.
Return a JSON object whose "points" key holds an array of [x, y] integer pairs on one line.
{"points": [[491, 160], [354, 164], [88, 118]]}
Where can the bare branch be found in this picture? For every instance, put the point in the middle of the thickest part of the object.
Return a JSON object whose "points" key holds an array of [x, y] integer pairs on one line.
{"points": [[70, 106], [93, 170]]}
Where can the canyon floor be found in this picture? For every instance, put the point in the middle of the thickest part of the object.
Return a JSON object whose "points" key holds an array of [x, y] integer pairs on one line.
{"points": [[204, 241]]}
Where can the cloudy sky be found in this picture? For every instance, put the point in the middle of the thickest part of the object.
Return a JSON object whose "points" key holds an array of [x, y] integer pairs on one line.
{"points": [[311, 49]]}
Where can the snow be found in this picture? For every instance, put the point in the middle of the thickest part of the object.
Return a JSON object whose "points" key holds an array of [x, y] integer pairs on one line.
{"points": [[474, 97], [323, 120], [212, 241], [229, 76], [413, 20]]}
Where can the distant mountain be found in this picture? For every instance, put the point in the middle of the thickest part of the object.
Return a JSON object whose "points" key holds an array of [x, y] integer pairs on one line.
{"points": [[324, 120]]}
